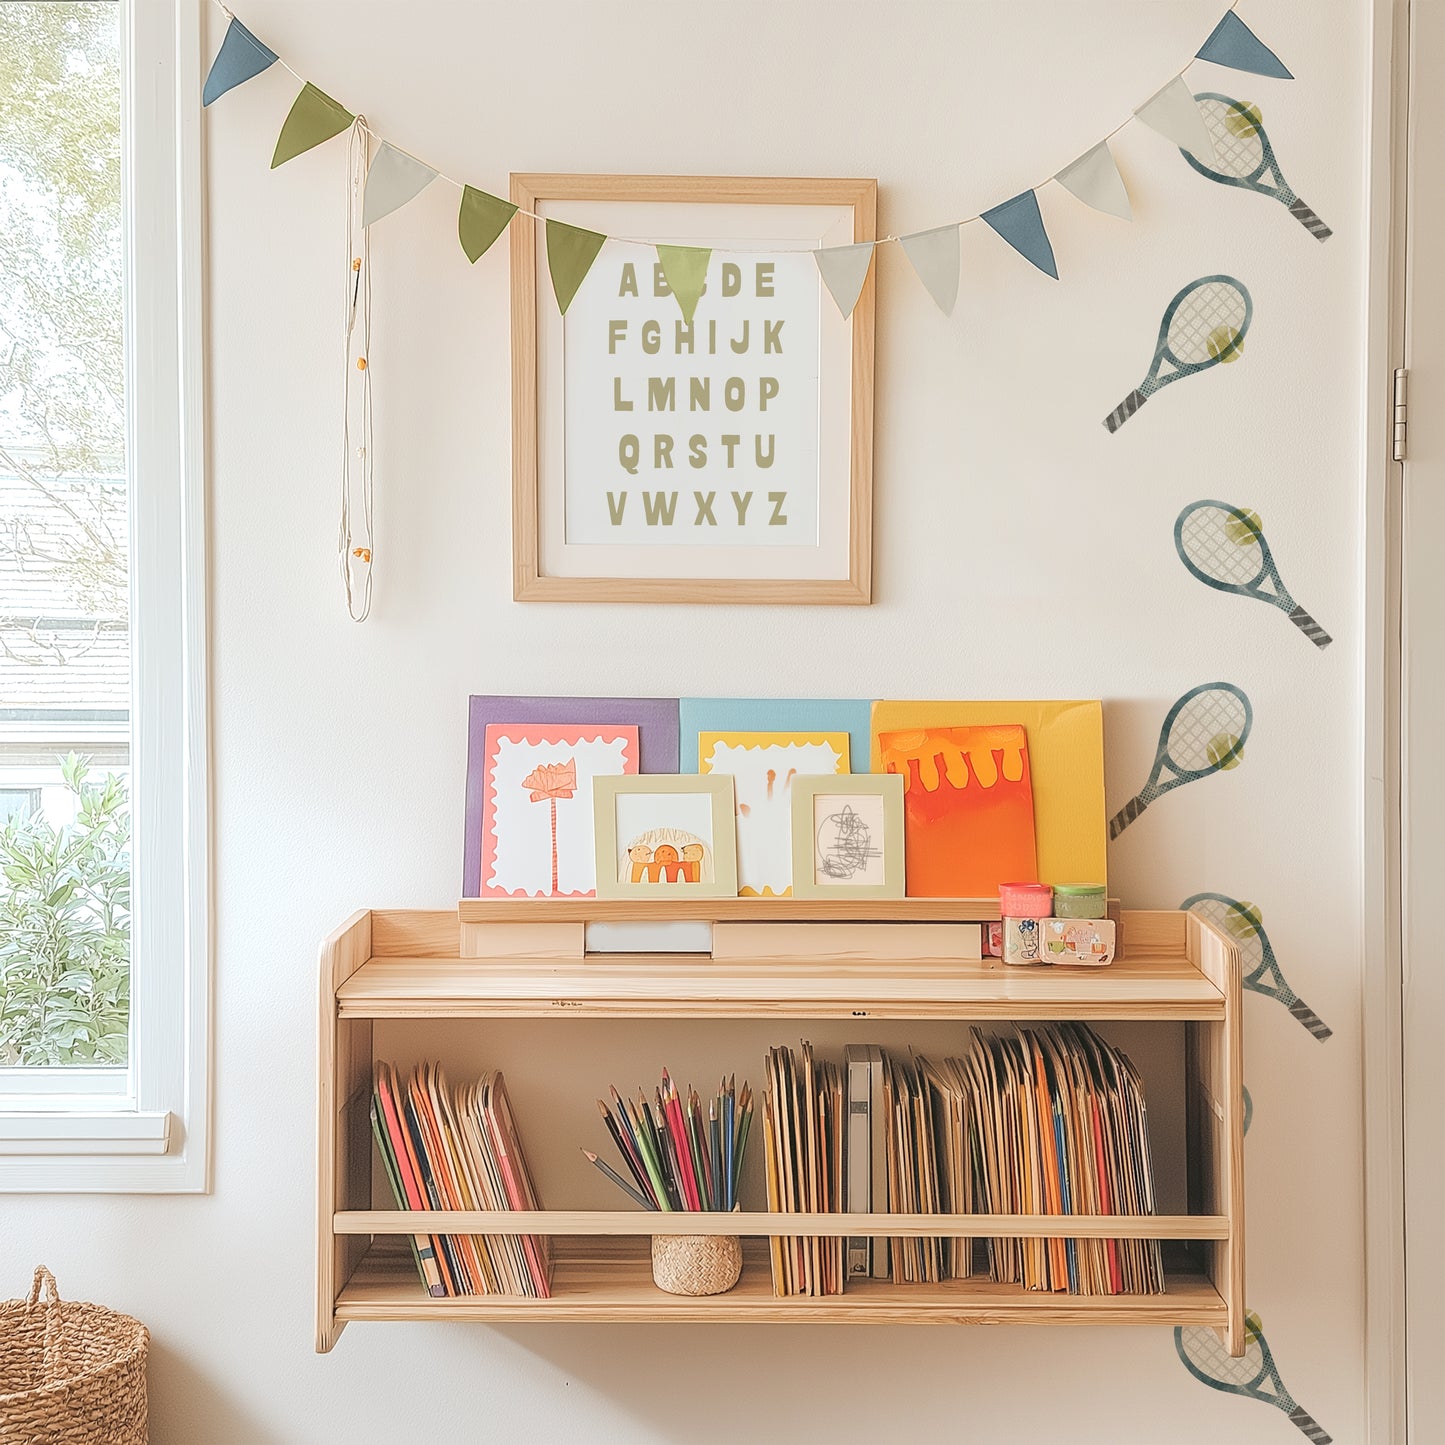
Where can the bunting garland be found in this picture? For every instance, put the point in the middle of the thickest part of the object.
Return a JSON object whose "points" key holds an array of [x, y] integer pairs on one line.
{"points": [[934, 257], [1018, 221], [241, 58], [396, 177], [1094, 179], [844, 269], [684, 268], [314, 117], [481, 219], [571, 250]]}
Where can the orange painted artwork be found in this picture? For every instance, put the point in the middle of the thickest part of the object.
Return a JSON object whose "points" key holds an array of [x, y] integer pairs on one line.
{"points": [[968, 808]]}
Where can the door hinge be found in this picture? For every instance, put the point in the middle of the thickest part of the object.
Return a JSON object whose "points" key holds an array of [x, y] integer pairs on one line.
{"points": [[1402, 411]]}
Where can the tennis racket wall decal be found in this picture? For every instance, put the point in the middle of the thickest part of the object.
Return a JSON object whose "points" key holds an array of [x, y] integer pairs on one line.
{"points": [[1254, 1375], [1203, 733], [1245, 158], [1261, 968], [1203, 326], [1224, 547]]}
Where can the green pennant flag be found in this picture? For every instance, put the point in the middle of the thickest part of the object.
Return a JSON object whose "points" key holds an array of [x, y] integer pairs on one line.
{"points": [[313, 118], [481, 219], [570, 254], [685, 268]]}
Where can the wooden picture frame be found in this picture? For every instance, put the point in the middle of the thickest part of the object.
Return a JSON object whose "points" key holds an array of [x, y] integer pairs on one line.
{"points": [[562, 548], [667, 881], [808, 792]]}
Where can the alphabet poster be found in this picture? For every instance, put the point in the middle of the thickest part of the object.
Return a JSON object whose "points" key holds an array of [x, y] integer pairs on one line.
{"points": [[728, 445], [693, 433]]}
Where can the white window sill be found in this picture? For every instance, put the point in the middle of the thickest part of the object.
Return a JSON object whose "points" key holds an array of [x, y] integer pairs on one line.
{"points": [[72, 1132]]}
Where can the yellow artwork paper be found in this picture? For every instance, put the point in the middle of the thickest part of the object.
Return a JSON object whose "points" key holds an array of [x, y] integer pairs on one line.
{"points": [[1066, 762]]}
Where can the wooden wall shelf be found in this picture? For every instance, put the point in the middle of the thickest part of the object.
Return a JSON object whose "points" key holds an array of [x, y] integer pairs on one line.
{"points": [[1172, 967], [610, 1281]]}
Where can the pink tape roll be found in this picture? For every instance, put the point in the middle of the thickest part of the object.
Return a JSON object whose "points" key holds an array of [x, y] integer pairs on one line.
{"points": [[1025, 900]]}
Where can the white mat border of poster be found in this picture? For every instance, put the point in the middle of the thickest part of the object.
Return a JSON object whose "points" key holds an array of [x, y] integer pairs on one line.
{"points": [[798, 214]]}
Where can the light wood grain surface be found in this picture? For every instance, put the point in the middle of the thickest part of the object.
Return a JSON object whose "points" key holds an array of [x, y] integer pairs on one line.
{"points": [[611, 1281], [638, 1222]]}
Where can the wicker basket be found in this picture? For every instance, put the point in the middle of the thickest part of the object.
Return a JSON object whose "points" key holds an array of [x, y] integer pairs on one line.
{"points": [[70, 1373], [695, 1263]]}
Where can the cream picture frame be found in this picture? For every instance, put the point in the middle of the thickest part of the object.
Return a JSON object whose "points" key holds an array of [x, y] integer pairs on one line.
{"points": [[665, 812], [862, 854]]}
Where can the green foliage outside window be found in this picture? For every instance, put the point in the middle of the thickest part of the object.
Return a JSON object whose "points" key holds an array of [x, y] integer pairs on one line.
{"points": [[65, 930]]}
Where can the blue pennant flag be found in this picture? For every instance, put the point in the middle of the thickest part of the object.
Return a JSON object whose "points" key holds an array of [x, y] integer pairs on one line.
{"points": [[1234, 44], [241, 58], [1019, 223]]}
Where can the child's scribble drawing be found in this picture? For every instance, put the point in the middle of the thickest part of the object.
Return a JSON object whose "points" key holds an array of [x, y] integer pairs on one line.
{"points": [[845, 845]]}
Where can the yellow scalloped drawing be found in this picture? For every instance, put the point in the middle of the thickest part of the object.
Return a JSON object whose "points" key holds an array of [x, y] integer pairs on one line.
{"points": [[763, 766]]}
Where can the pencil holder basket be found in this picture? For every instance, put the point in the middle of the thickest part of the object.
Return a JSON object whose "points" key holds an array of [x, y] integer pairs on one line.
{"points": [[696, 1263]]}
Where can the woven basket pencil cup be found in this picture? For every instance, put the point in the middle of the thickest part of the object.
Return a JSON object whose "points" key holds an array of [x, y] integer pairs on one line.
{"points": [[696, 1264]]}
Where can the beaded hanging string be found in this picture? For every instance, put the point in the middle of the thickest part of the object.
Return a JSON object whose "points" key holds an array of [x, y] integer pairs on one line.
{"points": [[354, 543]]}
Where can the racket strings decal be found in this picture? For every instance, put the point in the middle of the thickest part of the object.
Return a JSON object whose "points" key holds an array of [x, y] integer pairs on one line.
{"points": [[1261, 971], [1203, 733], [1203, 326], [1212, 312], [1225, 548], [1208, 733], [1244, 157]]}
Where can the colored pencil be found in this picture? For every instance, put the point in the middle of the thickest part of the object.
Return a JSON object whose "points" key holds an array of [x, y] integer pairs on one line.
{"points": [[623, 1148], [715, 1141], [617, 1179], [678, 1160]]}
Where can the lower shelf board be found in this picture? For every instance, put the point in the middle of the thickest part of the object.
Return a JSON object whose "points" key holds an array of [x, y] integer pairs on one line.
{"points": [[610, 1280]]}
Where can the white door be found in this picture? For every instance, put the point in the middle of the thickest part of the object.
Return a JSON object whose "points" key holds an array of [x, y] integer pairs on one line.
{"points": [[1422, 555]]}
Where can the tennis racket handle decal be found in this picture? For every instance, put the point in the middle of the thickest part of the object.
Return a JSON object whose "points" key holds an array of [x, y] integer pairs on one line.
{"points": [[1306, 1422], [1308, 1017], [1309, 220], [1125, 410], [1310, 627], [1127, 814]]}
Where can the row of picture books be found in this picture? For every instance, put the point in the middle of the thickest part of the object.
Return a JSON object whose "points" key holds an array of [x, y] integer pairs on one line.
{"points": [[445, 1148], [1047, 1119]]}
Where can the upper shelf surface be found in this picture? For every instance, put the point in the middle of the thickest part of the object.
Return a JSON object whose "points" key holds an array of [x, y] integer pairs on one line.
{"points": [[696, 986]]}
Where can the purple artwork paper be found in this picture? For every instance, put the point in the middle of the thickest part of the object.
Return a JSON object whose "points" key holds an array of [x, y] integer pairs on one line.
{"points": [[657, 743]]}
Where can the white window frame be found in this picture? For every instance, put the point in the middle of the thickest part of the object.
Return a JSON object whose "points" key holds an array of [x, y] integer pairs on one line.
{"points": [[147, 1129]]}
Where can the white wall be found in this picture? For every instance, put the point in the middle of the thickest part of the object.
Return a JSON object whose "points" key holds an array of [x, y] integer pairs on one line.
{"points": [[1020, 551]]}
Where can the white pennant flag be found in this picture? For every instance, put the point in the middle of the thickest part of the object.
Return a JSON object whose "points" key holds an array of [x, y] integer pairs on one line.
{"points": [[844, 269], [1095, 180], [1175, 116], [394, 179], [934, 255]]}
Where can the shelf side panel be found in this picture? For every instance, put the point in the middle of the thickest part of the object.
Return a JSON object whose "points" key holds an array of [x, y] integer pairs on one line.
{"points": [[1215, 1121], [338, 1050]]}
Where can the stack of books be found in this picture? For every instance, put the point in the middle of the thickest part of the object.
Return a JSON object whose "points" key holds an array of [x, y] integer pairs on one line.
{"points": [[1062, 1128], [1048, 1120], [803, 1141], [459, 1149]]}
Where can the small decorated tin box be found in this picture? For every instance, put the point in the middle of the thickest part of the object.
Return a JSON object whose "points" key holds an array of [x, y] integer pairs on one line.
{"points": [[1087, 941]]}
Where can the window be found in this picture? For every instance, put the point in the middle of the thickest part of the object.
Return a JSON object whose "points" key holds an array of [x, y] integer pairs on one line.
{"points": [[18, 804], [103, 918]]}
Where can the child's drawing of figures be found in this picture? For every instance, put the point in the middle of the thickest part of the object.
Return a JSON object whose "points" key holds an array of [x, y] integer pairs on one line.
{"points": [[666, 855]]}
